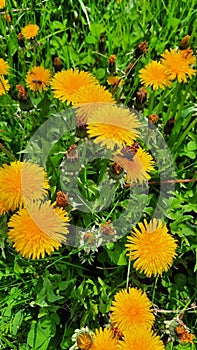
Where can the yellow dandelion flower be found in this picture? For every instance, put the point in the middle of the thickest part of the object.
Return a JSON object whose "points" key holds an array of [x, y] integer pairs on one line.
{"points": [[154, 74], [38, 230], [84, 340], [38, 78], [89, 98], [2, 4], [4, 67], [141, 340], [113, 80], [137, 165], [66, 83], [131, 310], [104, 340], [4, 85], [3, 209], [30, 31], [113, 126], [177, 64], [152, 248], [21, 182]]}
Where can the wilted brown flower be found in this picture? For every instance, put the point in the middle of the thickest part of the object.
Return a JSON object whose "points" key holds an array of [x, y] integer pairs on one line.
{"points": [[184, 44], [57, 64]]}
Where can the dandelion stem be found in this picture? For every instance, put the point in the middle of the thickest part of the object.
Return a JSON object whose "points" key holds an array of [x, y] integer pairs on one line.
{"points": [[160, 105], [5, 150], [151, 102], [173, 104], [154, 289], [128, 274]]}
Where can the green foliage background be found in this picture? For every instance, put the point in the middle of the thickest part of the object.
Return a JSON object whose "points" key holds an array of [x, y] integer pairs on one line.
{"points": [[43, 302]]}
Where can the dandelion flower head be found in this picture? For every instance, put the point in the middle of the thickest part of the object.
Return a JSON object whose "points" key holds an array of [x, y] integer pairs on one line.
{"points": [[2, 4], [30, 31], [38, 78], [21, 182], [131, 310], [141, 340], [154, 74], [152, 248], [38, 229], [66, 83], [4, 67], [4, 85], [177, 64], [89, 98], [113, 126], [137, 165], [104, 340]]}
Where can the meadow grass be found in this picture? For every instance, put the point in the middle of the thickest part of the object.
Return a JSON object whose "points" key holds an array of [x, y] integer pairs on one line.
{"points": [[43, 301]]}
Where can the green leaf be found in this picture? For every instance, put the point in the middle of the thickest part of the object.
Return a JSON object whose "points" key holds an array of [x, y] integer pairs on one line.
{"points": [[18, 318]]}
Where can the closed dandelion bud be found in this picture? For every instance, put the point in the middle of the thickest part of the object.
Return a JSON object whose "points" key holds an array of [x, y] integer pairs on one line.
{"points": [[153, 118], [57, 63], [184, 44], [71, 153], [140, 98], [7, 17], [130, 69], [184, 335], [25, 102], [140, 50], [101, 47], [21, 40], [107, 229], [62, 199], [112, 64], [22, 93], [89, 237]]}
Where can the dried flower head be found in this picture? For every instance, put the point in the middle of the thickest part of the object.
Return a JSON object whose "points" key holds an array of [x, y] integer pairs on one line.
{"points": [[184, 44]]}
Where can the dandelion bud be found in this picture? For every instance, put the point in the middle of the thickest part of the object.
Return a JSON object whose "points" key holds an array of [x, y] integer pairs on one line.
{"points": [[62, 199], [153, 118], [107, 229], [184, 44], [140, 98], [7, 17], [102, 43], [21, 40], [89, 237], [57, 63], [112, 64], [140, 50], [71, 153]]}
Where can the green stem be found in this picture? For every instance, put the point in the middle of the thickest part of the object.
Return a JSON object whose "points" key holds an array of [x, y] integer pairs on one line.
{"points": [[128, 274], [173, 104], [151, 102], [154, 290], [182, 137], [160, 105], [4, 149]]}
